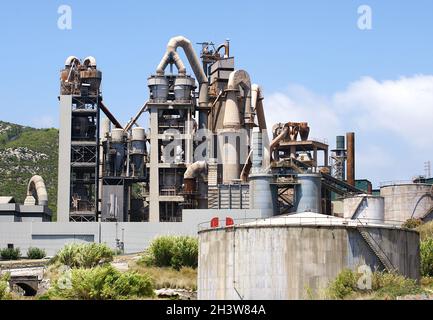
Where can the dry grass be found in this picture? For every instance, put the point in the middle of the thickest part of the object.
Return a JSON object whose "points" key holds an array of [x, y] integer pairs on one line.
{"points": [[185, 278]]}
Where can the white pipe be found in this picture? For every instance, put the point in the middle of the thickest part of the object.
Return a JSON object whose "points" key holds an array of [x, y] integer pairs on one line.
{"points": [[37, 184], [194, 169], [193, 60]]}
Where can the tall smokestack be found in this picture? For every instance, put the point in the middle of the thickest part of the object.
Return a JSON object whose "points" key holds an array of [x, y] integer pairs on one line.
{"points": [[350, 138]]}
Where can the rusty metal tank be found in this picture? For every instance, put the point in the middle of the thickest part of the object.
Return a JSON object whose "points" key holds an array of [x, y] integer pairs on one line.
{"points": [[304, 131]]}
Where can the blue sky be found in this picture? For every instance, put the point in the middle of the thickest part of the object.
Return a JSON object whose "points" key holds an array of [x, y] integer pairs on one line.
{"points": [[305, 55]]}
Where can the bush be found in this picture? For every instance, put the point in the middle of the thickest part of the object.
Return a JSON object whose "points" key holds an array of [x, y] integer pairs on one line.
{"points": [[185, 253], [102, 283], [384, 285], [426, 230], [426, 252], [171, 251], [86, 255], [391, 285], [4, 287], [35, 253], [10, 253], [412, 223], [343, 285]]}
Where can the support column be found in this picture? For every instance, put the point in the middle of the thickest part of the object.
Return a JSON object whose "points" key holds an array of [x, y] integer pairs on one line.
{"points": [[154, 167], [64, 171]]}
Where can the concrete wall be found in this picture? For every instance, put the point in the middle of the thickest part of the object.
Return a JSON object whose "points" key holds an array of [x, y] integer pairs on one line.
{"points": [[52, 236], [268, 263], [407, 200]]}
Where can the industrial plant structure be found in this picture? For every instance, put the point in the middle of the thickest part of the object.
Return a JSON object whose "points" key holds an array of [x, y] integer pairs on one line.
{"points": [[209, 155]]}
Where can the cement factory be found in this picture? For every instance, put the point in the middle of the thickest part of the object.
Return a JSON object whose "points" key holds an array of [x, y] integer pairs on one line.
{"points": [[275, 210]]}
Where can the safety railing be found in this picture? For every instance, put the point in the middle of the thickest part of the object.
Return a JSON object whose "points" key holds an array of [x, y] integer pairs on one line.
{"points": [[300, 221]]}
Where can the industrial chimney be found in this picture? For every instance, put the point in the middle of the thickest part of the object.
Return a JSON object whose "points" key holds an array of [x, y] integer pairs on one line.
{"points": [[350, 137]]}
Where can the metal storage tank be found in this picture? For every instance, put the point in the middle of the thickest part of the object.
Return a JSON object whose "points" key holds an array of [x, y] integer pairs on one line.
{"points": [[407, 200], [296, 256], [182, 88], [367, 208], [118, 144], [308, 193], [158, 86]]}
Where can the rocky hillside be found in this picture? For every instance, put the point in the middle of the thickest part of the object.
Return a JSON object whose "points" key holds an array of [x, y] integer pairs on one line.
{"points": [[24, 152]]}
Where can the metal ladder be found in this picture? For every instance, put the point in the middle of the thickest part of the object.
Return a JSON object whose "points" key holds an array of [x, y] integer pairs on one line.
{"points": [[380, 254]]}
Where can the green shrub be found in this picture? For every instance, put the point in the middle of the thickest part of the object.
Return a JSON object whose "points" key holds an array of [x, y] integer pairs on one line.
{"points": [[412, 223], [172, 251], [102, 283], [86, 255], [4, 287], [426, 230], [391, 285], [10, 253], [426, 252], [344, 285], [185, 253], [160, 251], [384, 285], [35, 253]]}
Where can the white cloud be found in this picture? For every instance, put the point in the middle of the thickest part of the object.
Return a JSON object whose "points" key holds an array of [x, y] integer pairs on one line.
{"points": [[391, 118]]}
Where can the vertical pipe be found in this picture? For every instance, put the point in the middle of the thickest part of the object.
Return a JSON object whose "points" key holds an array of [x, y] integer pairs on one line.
{"points": [[350, 137]]}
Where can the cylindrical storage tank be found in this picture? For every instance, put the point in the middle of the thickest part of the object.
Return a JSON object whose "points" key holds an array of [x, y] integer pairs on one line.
{"points": [[308, 193], [183, 86], [261, 194], [366, 208], [340, 142], [118, 144], [296, 257], [158, 86], [138, 150], [304, 131], [407, 200], [105, 128], [93, 77]]}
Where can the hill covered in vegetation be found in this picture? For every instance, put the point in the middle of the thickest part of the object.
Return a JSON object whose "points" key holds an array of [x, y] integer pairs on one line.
{"points": [[24, 152]]}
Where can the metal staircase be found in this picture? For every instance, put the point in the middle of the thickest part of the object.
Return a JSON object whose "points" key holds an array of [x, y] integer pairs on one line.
{"points": [[380, 254]]}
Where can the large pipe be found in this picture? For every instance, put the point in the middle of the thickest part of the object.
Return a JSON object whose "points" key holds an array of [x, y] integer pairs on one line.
{"points": [[195, 169], [37, 186], [110, 115], [350, 137], [197, 68], [241, 78], [257, 107]]}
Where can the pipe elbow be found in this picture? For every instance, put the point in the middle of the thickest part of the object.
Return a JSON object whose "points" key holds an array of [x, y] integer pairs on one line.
{"points": [[70, 60], [37, 185], [90, 62], [195, 169]]}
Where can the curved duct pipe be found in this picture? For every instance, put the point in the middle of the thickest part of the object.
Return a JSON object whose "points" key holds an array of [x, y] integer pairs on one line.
{"points": [[70, 60], [196, 67], [257, 107], [37, 185], [195, 169], [240, 78], [281, 136], [226, 47], [90, 62]]}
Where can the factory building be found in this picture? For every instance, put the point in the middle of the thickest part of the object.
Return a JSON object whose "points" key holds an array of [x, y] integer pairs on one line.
{"points": [[272, 198]]}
